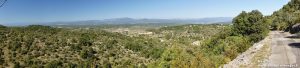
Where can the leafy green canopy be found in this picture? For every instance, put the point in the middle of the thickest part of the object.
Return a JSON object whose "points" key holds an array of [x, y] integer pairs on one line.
{"points": [[247, 28], [251, 24], [287, 16]]}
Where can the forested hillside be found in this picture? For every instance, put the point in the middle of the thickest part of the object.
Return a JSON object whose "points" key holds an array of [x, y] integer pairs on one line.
{"points": [[287, 16], [128, 43], [175, 46], [45, 46]]}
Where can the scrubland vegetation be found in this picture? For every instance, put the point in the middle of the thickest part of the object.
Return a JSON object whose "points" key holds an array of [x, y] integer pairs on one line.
{"points": [[171, 46], [45, 46], [182, 46]]}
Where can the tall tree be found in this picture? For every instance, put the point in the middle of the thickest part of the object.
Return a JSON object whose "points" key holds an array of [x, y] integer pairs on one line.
{"points": [[252, 24]]}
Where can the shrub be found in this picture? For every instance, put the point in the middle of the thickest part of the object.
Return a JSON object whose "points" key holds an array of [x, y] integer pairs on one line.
{"points": [[86, 54], [85, 40], [154, 53], [17, 65], [53, 64]]}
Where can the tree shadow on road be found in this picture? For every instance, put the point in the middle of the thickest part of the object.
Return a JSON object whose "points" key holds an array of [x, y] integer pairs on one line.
{"points": [[295, 45], [293, 36]]}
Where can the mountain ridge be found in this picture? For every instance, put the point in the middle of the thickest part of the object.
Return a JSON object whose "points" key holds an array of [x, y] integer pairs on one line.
{"points": [[126, 20]]}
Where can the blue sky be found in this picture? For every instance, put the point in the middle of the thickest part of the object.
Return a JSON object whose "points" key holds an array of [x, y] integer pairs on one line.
{"points": [[23, 11]]}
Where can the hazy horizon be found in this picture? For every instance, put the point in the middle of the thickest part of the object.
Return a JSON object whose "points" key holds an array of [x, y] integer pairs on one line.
{"points": [[29, 11], [123, 20]]}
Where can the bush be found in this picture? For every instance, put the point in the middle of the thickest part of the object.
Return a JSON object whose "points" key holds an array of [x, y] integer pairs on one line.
{"points": [[235, 45], [85, 40], [53, 64], [247, 28], [154, 53], [256, 37], [200, 61], [86, 54], [17, 65], [250, 23], [15, 45]]}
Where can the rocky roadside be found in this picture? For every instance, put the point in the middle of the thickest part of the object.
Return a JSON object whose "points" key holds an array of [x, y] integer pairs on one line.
{"points": [[254, 57]]}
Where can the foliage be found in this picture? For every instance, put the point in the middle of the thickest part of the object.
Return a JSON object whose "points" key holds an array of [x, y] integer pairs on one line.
{"points": [[87, 53], [251, 24], [172, 46], [248, 28], [287, 16], [53, 64], [36, 45]]}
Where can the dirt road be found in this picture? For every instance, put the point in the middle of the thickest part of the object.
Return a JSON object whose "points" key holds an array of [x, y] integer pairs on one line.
{"points": [[285, 51]]}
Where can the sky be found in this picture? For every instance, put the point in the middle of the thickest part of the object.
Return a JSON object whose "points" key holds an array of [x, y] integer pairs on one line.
{"points": [[24, 11]]}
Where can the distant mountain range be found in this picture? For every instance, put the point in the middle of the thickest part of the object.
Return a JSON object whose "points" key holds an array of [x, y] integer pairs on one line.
{"points": [[223, 20]]}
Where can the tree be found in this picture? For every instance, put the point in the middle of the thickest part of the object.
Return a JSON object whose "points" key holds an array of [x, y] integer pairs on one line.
{"points": [[85, 40], [251, 24], [286, 17], [87, 53], [245, 23]]}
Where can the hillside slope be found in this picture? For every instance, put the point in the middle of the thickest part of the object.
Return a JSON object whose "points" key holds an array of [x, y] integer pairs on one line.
{"points": [[45, 46]]}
